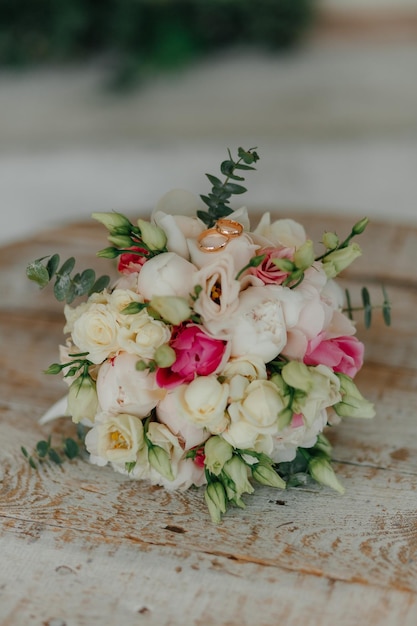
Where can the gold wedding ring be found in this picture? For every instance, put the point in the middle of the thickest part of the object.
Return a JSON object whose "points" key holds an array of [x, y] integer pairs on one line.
{"points": [[217, 238], [212, 240], [230, 228]]}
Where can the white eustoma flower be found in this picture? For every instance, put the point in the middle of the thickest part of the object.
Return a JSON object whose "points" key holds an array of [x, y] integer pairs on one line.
{"points": [[299, 434]]}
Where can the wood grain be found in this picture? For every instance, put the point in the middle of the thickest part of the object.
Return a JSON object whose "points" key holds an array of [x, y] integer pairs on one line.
{"points": [[81, 545]]}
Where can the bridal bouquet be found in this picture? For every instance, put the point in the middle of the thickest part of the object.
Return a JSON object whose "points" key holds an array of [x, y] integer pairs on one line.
{"points": [[219, 354]]}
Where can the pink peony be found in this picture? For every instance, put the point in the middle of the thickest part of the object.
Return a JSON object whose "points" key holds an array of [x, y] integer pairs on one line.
{"points": [[130, 262], [341, 354], [197, 354], [267, 271]]}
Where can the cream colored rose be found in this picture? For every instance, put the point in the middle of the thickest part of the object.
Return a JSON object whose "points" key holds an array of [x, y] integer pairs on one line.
{"points": [[203, 403], [258, 325], [254, 415], [121, 388], [218, 298], [166, 274], [142, 335], [250, 366], [188, 433], [121, 298], [94, 330], [115, 438], [284, 232]]}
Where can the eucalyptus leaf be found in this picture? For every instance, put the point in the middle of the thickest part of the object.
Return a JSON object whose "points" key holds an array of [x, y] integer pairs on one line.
{"points": [[101, 283], [67, 266], [62, 286], [38, 273]]}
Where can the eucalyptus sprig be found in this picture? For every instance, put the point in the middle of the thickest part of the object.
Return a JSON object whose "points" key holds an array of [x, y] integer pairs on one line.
{"points": [[221, 192], [367, 307], [44, 451], [67, 286]]}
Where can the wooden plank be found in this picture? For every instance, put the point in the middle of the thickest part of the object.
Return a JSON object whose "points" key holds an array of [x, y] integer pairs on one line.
{"points": [[83, 545]]}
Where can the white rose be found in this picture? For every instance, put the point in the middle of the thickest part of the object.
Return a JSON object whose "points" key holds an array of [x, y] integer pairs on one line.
{"points": [[257, 326], [203, 403], [95, 331], [121, 388], [187, 432], [254, 416], [166, 274], [250, 366], [143, 335], [115, 438], [121, 298], [284, 232], [218, 298]]}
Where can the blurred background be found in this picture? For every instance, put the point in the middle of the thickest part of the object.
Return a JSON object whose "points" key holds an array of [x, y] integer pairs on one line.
{"points": [[107, 105]]}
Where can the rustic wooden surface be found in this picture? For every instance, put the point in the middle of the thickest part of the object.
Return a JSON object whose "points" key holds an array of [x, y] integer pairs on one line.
{"points": [[81, 545]]}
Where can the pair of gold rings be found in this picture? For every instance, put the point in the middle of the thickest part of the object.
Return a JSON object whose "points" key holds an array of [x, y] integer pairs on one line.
{"points": [[217, 238]]}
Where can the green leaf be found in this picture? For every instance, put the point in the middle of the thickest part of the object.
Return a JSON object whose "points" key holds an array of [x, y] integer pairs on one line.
{"points": [[134, 307], [67, 266], [42, 448], [52, 265], [71, 448], [216, 182], [54, 456], [386, 308], [235, 189], [24, 452], [83, 282], [101, 283], [367, 307], [38, 273], [62, 286], [348, 304]]}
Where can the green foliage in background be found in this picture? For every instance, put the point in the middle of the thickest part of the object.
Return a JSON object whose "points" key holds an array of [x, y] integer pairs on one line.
{"points": [[138, 37]]}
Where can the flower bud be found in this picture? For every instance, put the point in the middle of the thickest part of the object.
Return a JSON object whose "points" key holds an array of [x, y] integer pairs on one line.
{"points": [[217, 452], [304, 255], [339, 259], [82, 399], [160, 461], [285, 265], [266, 475], [236, 471], [120, 241], [330, 240], [108, 253], [152, 236], [353, 403], [116, 223], [172, 309], [360, 226], [164, 356], [297, 375], [215, 498], [322, 472]]}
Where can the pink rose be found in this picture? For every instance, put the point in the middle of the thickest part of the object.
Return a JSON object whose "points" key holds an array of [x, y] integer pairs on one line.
{"points": [[130, 262], [267, 271], [341, 354], [197, 354]]}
